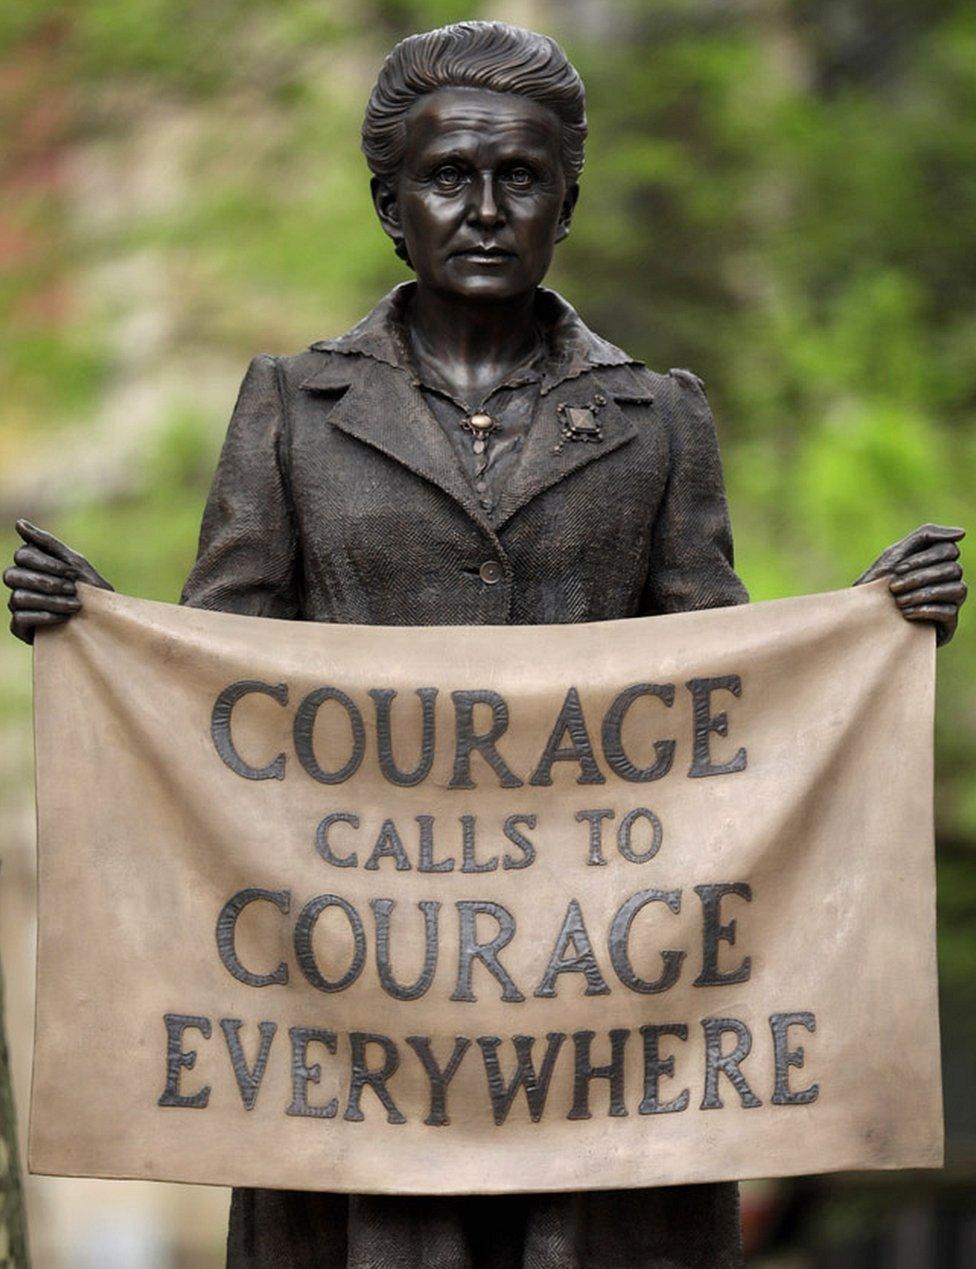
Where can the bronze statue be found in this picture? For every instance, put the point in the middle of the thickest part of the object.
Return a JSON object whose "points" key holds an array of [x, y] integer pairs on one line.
{"points": [[471, 454]]}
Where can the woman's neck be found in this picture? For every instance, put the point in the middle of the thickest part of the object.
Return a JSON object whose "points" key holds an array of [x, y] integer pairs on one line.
{"points": [[468, 345]]}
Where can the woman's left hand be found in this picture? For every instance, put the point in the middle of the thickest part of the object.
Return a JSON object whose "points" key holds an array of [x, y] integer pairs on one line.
{"points": [[926, 577]]}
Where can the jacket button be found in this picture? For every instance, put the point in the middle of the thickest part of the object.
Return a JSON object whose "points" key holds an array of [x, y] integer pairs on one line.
{"points": [[490, 572]]}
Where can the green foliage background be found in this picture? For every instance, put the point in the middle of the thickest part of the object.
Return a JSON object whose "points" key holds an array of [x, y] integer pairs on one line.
{"points": [[777, 195]]}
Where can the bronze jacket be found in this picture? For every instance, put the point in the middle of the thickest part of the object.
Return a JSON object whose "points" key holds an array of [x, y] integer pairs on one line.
{"points": [[339, 497]]}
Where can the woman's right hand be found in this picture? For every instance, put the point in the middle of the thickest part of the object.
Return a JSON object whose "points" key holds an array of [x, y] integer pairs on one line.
{"points": [[42, 580]]}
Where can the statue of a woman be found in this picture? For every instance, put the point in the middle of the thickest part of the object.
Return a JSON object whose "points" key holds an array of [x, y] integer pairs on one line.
{"points": [[471, 454]]}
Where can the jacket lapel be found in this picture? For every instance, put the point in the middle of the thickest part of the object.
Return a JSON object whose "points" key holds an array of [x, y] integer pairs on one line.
{"points": [[549, 456], [383, 408]]}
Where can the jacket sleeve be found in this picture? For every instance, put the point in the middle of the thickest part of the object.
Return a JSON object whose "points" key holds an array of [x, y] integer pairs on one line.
{"points": [[691, 563], [247, 560]]}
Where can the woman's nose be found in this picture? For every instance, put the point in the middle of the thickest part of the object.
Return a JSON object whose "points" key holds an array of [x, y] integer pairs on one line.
{"points": [[485, 208]]}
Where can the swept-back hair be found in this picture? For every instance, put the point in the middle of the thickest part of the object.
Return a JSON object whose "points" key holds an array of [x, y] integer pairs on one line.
{"points": [[491, 55]]}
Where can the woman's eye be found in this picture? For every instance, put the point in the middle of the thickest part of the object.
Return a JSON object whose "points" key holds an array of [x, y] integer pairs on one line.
{"points": [[520, 177], [447, 177]]}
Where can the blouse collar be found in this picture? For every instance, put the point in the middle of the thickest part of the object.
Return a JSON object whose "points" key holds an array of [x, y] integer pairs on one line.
{"points": [[570, 349]]}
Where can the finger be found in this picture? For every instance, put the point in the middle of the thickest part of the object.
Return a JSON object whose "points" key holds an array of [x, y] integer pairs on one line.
{"points": [[46, 583], [32, 557], [941, 613], [950, 571], [23, 624], [944, 551], [32, 601], [948, 593], [924, 536], [46, 541], [930, 534], [920, 539]]}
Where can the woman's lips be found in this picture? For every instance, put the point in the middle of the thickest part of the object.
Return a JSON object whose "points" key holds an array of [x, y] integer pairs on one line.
{"points": [[485, 255]]}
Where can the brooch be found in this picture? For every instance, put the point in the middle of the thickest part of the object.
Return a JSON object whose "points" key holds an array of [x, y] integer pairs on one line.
{"points": [[579, 422], [481, 427]]}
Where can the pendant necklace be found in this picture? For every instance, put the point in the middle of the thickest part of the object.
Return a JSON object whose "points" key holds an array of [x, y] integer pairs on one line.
{"points": [[481, 426]]}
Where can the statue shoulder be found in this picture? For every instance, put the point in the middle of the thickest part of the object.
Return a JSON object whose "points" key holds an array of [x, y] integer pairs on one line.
{"points": [[688, 379], [680, 401], [319, 369], [637, 381]]}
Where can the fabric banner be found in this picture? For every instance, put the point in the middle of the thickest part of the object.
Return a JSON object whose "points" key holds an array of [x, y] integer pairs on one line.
{"points": [[477, 910]]}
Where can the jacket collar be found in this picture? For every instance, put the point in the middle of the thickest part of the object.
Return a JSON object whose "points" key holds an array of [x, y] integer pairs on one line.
{"points": [[571, 347], [388, 412]]}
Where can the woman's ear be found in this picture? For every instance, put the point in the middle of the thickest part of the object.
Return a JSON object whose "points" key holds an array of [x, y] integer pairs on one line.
{"points": [[566, 211], [387, 208]]}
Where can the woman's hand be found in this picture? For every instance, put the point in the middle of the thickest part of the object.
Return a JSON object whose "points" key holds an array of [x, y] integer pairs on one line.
{"points": [[926, 577], [42, 579]]}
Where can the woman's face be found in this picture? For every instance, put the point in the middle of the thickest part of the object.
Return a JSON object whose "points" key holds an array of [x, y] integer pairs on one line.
{"points": [[481, 198]]}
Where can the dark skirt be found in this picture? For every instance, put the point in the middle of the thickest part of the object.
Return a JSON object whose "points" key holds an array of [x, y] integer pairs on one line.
{"points": [[678, 1227]]}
